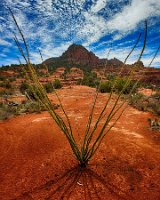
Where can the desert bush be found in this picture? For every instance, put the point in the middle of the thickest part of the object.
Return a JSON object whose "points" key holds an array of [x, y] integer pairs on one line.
{"points": [[154, 107], [148, 85], [49, 87], [137, 100], [67, 70], [2, 78], [79, 81], [33, 106], [6, 84], [111, 76], [105, 87], [20, 75], [29, 90], [119, 86], [90, 79], [156, 96], [57, 84], [134, 98], [23, 87], [154, 124], [144, 103], [11, 79], [4, 114], [7, 92], [7, 111]]}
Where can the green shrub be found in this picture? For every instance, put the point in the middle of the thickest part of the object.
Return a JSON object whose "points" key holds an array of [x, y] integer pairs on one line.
{"points": [[105, 87], [90, 79], [12, 79], [79, 81], [2, 78], [111, 76], [135, 98], [31, 91], [118, 86], [20, 75], [7, 92], [120, 83], [48, 87], [57, 84], [4, 114], [7, 111], [23, 87], [156, 96], [145, 103], [33, 106], [6, 84], [154, 107]]}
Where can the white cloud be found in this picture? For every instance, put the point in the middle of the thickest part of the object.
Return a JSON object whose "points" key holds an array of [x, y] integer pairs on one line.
{"points": [[49, 51], [100, 4], [44, 6], [54, 24], [94, 28], [133, 14], [122, 52], [4, 43], [3, 55]]}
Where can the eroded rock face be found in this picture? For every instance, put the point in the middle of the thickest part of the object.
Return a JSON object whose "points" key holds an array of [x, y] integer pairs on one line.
{"points": [[114, 62], [77, 54], [139, 64]]}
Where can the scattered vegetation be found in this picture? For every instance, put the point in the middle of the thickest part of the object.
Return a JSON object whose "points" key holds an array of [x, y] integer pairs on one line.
{"points": [[23, 87], [6, 84], [90, 143], [90, 79], [2, 78], [49, 87], [118, 85], [85, 149], [57, 84], [144, 103], [154, 124], [105, 87], [28, 88], [10, 109]]}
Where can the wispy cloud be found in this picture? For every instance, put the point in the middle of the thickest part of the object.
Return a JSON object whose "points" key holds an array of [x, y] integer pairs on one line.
{"points": [[98, 5], [54, 25], [133, 14], [4, 43]]}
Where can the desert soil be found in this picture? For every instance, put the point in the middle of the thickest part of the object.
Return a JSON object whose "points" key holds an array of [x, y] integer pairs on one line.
{"points": [[37, 163]]}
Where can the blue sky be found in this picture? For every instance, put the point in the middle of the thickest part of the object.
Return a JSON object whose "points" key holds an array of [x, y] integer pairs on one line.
{"points": [[53, 25]]}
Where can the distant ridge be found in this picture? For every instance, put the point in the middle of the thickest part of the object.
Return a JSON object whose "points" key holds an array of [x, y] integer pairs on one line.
{"points": [[79, 55]]}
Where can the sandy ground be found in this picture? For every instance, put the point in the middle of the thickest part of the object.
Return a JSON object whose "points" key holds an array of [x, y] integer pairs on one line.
{"points": [[146, 92], [37, 163]]}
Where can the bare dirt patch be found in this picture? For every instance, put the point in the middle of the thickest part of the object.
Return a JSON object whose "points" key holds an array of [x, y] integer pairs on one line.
{"points": [[36, 161], [147, 92]]}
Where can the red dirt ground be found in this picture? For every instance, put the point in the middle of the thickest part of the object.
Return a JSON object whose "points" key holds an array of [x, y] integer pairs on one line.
{"points": [[36, 161]]}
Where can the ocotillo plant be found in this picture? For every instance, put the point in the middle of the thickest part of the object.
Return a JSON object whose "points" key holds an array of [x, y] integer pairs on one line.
{"points": [[90, 140]]}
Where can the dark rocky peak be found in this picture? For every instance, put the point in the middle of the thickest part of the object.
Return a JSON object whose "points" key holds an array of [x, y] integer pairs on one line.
{"points": [[80, 55], [139, 64], [114, 62]]}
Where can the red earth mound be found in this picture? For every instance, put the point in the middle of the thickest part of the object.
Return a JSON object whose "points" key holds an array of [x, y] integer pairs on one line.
{"points": [[37, 163]]}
